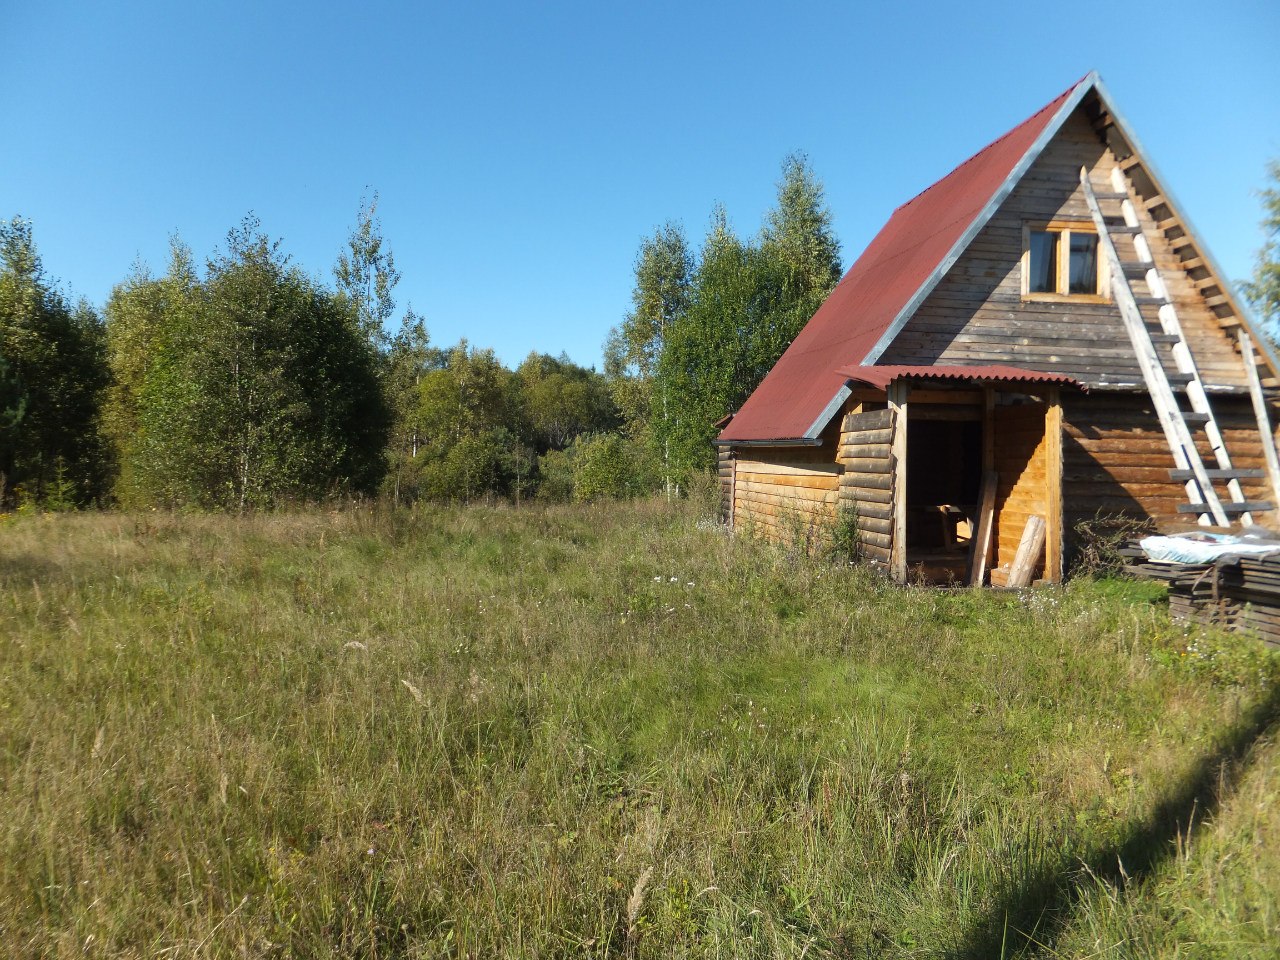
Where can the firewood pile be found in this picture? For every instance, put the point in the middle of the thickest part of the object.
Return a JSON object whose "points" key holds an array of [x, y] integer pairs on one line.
{"points": [[1236, 593]]}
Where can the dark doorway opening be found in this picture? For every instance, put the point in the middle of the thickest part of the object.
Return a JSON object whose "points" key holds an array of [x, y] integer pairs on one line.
{"points": [[944, 474]]}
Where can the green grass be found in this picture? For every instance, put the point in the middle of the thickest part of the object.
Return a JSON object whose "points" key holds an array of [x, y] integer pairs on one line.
{"points": [[603, 731]]}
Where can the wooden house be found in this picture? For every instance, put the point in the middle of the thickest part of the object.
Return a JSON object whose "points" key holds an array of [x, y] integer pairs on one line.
{"points": [[1040, 334]]}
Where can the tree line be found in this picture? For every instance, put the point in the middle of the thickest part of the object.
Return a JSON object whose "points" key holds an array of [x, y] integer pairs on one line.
{"points": [[244, 382]]}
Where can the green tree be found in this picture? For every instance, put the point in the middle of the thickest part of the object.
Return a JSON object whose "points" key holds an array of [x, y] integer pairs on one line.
{"points": [[154, 326], [472, 429], [605, 468], [57, 353], [366, 273], [249, 387], [663, 288], [714, 351], [746, 304], [409, 358], [562, 400], [13, 406], [1263, 291], [797, 237]]}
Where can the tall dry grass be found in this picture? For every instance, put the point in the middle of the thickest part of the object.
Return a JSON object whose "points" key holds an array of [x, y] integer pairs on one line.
{"points": [[588, 731]]}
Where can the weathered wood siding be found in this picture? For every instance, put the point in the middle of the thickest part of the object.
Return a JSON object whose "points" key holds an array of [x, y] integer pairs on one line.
{"points": [[1116, 459], [1021, 462], [779, 491], [866, 484], [977, 314]]}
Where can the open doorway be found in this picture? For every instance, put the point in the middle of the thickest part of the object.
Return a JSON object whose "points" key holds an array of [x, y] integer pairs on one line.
{"points": [[944, 477]]}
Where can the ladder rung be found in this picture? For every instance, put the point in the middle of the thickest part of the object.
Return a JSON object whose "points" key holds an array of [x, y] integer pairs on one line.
{"points": [[1246, 506], [1241, 474], [1124, 228], [1180, 377], [1110, 195], [1191, 417], [1164, 337], [1135, 269], [1150, 301]]}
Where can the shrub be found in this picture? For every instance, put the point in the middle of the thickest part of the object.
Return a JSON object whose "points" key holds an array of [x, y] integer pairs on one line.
{"points": [[1098, 541]]}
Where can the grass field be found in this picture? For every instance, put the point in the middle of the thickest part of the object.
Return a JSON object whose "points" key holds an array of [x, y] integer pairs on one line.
{"points": [[605, 731]]}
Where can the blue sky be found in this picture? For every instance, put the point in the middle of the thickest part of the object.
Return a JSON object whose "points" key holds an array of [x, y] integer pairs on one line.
{"points": [[523, 150]]}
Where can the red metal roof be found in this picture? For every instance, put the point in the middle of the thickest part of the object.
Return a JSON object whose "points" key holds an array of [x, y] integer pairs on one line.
{"points": [[914, 248], [881, 376]]}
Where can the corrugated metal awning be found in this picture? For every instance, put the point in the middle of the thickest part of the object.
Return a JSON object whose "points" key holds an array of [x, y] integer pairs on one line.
{"points": [[881, 376]]}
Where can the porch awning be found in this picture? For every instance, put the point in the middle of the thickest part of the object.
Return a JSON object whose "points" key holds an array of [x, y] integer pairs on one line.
{"points": [[881, 376]]}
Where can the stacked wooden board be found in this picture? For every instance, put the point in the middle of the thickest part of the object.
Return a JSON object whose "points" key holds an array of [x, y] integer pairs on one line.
{"points": [[1237, 593]]}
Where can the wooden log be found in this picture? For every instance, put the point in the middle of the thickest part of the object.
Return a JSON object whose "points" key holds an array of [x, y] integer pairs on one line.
{"points": [[865, 495], [862, 437], [1029, 550], [874, 511], [874, 525], [873, 481], [860, 464], [869, 420]]}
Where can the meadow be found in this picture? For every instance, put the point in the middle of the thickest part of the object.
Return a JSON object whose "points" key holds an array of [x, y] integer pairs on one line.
{"points": [[606, 731]]}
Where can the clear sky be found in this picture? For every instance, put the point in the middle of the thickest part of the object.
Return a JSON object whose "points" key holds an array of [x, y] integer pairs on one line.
{"points": [[522, 150]]}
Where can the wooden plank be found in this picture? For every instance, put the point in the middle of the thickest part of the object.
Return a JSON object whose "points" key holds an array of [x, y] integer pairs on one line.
{"points": [[898, 393], [796, 469], [1236, 473], [982, 541], [827, 482], [1246, 506], [1260, 413], [1029, 550]]}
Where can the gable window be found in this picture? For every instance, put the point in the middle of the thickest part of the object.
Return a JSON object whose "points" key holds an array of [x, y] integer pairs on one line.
{"points": [[1060, 262]]}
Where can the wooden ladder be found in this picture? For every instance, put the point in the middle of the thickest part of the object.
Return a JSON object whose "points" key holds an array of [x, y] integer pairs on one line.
{"points": [[1202, 498]]}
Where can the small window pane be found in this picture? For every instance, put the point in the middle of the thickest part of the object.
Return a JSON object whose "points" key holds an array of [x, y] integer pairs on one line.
{"points": [[1044, 262], [1083, 266]]}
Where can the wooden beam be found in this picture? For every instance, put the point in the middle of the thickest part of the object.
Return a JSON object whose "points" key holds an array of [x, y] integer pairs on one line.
{"points": [[986, 523], [1053, 549], [898, 394], [1260, 413]]}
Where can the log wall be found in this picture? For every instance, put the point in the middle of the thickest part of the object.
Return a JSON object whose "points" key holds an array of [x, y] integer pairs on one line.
{"points": [[866, 482], [1116, 460], [725, 463]]}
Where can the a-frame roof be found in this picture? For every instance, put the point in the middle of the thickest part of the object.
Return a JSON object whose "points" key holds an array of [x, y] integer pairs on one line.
{"points": [[903, 264]]}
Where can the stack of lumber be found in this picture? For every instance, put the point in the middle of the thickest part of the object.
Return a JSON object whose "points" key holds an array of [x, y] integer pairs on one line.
{"points": [[1237, 593]]}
